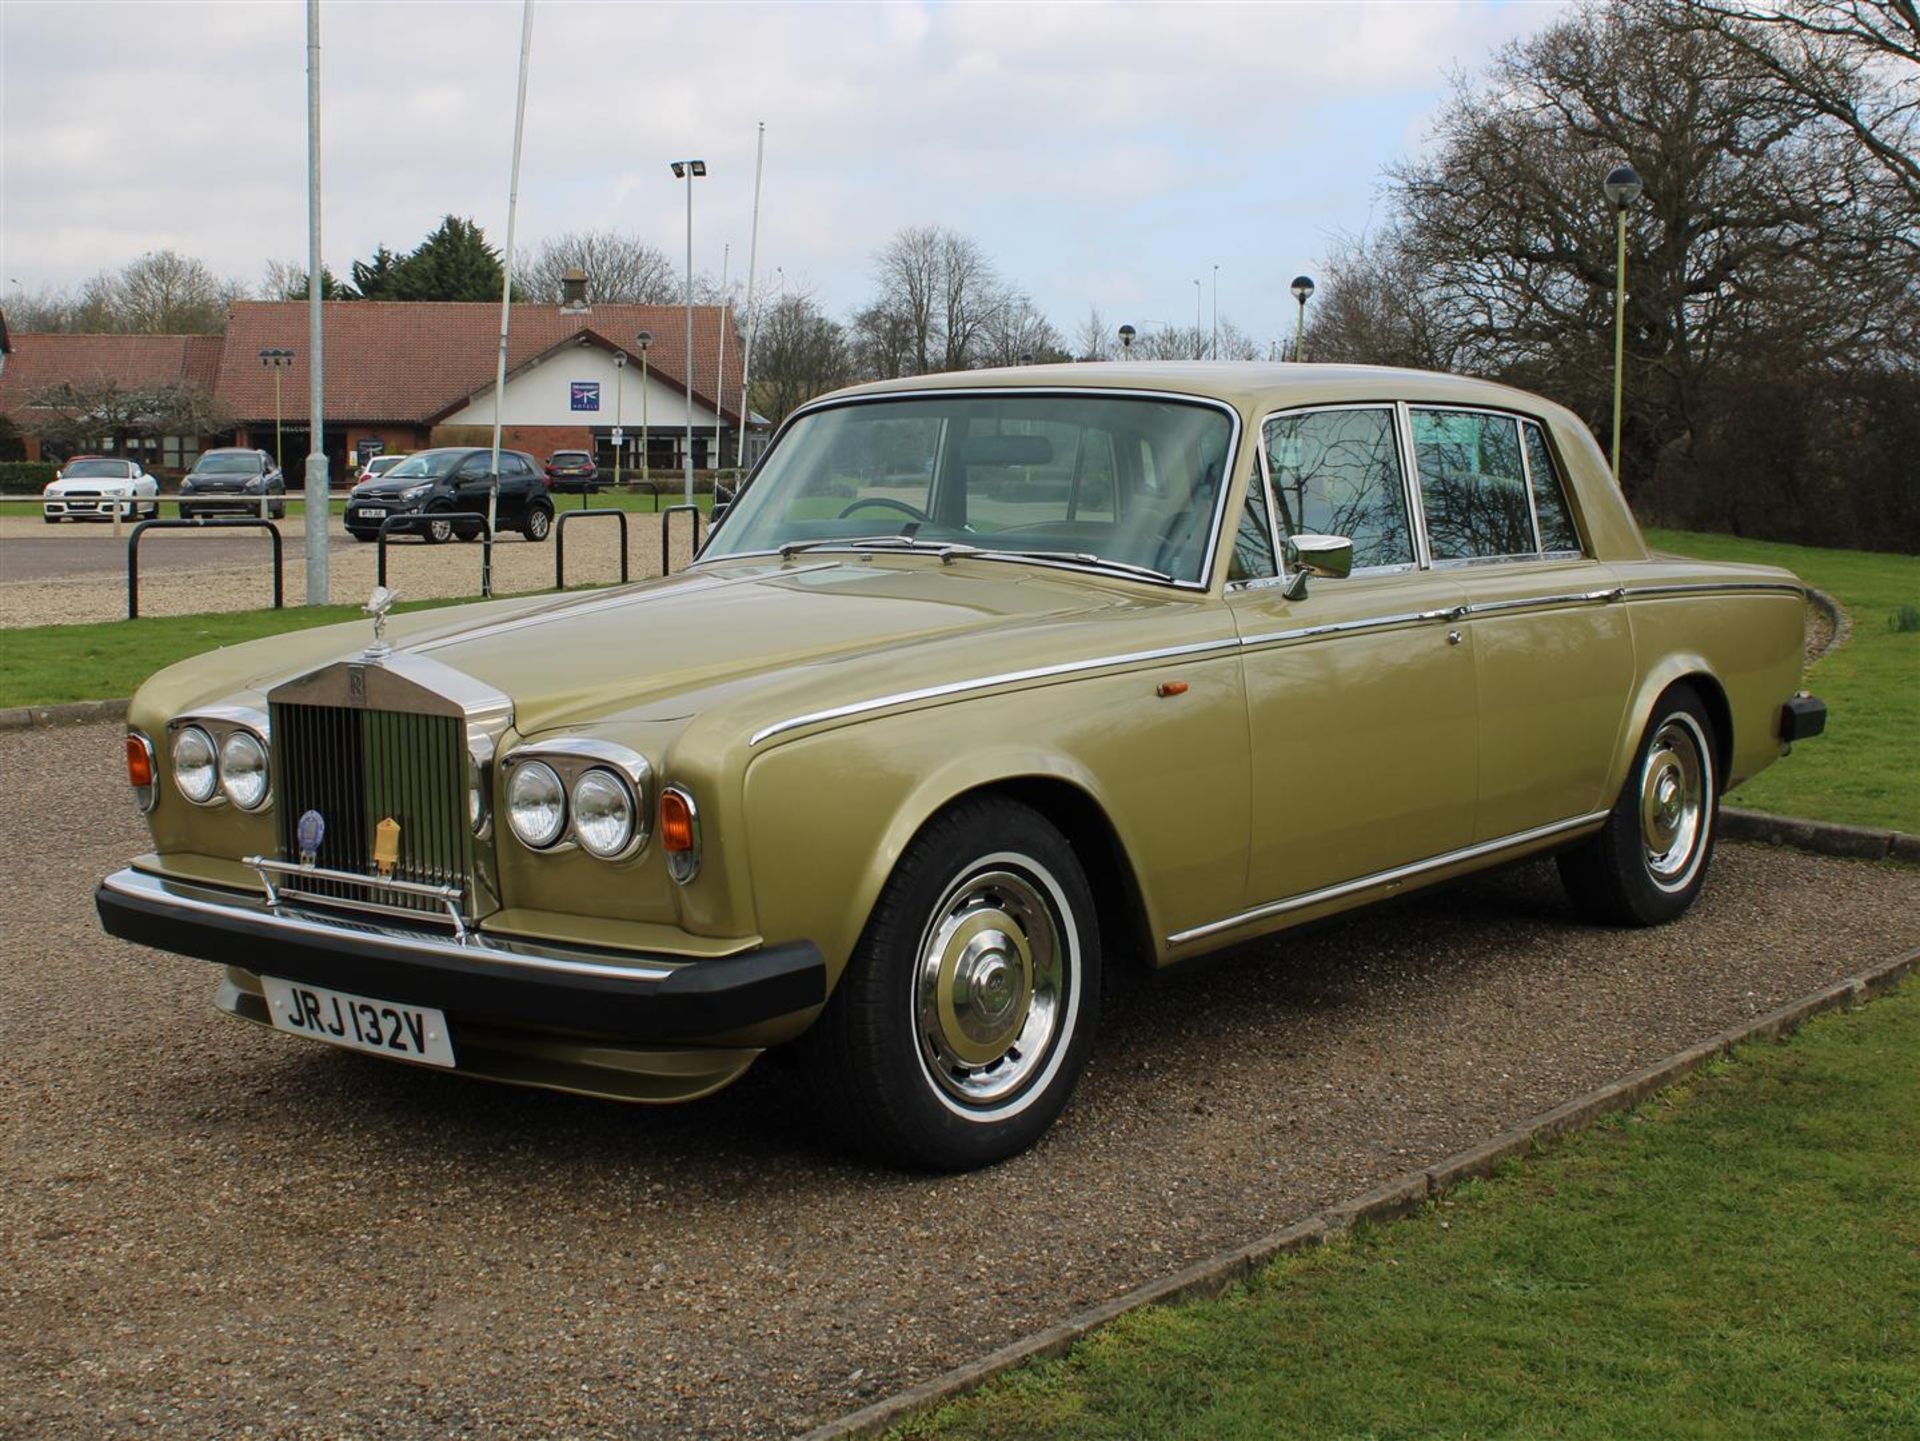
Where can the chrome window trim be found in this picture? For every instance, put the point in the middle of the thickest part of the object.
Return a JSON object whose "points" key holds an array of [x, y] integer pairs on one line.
{"points": [[1519, 418], [1410, 484], [1386, 877], [989, 682], [1399, 445], [1211, 555], [514, 955], [1574, 514]]}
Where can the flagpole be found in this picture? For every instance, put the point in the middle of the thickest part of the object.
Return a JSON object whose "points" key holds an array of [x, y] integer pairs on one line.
{"points": [[506, 300], [753, 316]]}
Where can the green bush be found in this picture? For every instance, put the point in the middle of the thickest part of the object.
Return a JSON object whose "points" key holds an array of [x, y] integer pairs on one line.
{"points": [[1905, 620], [26, 477]]}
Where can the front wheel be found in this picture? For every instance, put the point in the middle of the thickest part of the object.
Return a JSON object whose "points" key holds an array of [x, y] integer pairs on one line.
{"points": [[965, 1016], [438, 530], [1645, 866]]}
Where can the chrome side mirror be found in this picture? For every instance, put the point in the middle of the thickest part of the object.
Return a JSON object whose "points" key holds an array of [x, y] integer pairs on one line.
{"points": [[1324, 555]]}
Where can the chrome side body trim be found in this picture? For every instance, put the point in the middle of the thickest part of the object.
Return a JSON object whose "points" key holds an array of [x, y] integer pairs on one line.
{"points": [[517, 955], [1387, 877], [1710, 587], [988, 682], [1228, 469], [1545, 602], [1345, 627]]}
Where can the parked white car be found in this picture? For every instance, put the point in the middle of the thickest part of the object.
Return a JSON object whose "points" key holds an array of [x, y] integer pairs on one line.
{"points": [[92, 487]]}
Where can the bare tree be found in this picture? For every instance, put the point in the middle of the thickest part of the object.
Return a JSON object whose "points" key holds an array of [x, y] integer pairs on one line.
{"points": [[938, 294], [1016, 331], [85, 412], [883, 344], [1094, 341], [620, 269], [798, 354], [167, 293]]}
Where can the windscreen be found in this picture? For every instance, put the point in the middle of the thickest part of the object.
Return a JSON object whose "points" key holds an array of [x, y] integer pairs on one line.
{"points": [[1125, 480], [95, 470], [426, 465], [239, 464]]}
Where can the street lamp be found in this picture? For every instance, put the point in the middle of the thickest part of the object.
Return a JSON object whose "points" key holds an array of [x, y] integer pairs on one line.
{"points": [[1127, 332], [689, 171], [644, 340], [1197, 330], [1622, 187], [1302, 288], [619, 413], [1026, 357], [1213, 351], [276, 359]]}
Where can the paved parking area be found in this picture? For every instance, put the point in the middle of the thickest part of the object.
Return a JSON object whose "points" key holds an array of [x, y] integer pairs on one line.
{"points": [[212, 1230]]}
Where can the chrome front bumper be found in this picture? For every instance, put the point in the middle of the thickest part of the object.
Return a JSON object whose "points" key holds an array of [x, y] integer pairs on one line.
{"points": [[624, 996]]}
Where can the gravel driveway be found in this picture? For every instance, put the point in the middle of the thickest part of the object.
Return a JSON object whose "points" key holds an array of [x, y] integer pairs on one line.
{"points": [[52, 575], [211, 1230]]}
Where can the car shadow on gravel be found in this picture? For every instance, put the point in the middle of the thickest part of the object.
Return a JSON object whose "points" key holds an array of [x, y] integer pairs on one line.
{"points": [[763, 1129]]}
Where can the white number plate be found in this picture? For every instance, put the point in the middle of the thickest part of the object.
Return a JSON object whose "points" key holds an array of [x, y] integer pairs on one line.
{"points": [[374, 512], [360, 1023]]}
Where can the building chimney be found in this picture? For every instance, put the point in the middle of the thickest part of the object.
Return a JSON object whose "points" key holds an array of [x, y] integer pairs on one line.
{"points": [[573, 289]]}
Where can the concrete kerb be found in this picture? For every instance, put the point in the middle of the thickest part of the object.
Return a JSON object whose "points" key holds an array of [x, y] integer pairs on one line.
{"points": [[1397, 1198], [79, 712]]}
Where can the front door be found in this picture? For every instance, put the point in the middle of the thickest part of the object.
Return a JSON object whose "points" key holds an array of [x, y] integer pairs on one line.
{"points": [[1362, 700]]}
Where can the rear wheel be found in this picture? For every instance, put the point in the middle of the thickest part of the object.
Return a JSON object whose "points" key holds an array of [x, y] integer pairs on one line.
{"points": [[965, 1016], [1648, 862], [538, 522]]}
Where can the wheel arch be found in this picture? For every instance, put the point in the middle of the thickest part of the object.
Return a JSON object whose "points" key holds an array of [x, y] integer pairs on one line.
{"points": [[1694, 672]]}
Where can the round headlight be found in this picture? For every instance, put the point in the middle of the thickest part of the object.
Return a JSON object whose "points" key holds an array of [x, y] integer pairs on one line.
{"points": [[243, 770], [603, 812], [536, 804], [194, 767]]}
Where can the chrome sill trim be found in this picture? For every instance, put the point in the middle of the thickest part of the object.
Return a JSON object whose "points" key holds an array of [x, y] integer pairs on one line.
{"points": [[1012, 677], [193, 899], [1387, 877], [1635, 592]]}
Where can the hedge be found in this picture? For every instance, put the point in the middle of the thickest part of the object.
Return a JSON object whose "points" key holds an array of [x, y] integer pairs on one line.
{"points": [[26, 477]]}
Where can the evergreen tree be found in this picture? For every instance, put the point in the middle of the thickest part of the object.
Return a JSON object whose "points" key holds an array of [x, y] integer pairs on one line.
{"points": [[453, 263]]}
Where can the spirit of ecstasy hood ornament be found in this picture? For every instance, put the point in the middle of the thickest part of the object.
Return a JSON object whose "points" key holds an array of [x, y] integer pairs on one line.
{"points": [[377, 606]]}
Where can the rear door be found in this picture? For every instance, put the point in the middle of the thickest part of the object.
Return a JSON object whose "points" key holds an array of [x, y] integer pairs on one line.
{"points": [[1552, 650]]}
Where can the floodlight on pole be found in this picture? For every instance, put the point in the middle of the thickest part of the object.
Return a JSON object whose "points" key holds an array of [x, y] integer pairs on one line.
{"points": [[1213, 349], [644, 340], [1302, 289], [689, 171], [276, 358], [319, 553], [1127, 332], [1622, 187]]}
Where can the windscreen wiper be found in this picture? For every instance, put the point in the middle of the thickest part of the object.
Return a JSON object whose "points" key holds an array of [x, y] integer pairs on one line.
{"points": [[1075, 557], [943, 548]]}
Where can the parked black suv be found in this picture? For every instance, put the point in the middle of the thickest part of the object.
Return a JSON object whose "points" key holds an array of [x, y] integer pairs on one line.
{"points": [[232, 480], [450, 480], [572, 470]]}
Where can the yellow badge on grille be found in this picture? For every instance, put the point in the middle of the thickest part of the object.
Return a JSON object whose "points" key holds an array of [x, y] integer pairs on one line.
{"points": [[386, 846]]}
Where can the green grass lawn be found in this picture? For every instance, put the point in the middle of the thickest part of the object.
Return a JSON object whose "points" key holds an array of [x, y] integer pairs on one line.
{"points": [[1866, 768], [1739, 1258], [42, 665]]}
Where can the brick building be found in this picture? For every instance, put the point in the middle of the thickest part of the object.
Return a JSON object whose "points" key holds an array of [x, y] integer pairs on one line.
{"points": [[403, 376]]}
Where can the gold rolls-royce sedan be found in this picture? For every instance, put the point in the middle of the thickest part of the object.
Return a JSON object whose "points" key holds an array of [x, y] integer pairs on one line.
{"points": [[987, 683]]}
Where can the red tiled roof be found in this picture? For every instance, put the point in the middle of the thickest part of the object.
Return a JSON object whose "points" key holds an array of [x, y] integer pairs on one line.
{"points": [[39, 361], [411, 362]]}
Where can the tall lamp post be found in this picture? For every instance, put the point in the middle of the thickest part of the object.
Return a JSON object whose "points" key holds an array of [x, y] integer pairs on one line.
{"points": [[1213, 349], [619, 412], [1302, 288], [1622, 187], [1198, 329], [642, 341], [1127, 332], [689, 171], [276, 358]]}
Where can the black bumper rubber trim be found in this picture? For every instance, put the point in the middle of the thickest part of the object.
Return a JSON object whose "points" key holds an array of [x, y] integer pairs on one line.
{"points": [[698, 999], [1802, 717]]}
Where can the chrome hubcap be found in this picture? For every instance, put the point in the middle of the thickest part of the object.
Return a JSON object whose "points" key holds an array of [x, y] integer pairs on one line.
{"points": [[1673, 799], [988, 986]]}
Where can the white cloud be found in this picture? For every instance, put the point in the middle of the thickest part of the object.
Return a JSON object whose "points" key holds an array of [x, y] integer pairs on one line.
{"points": [[1103, 154]]}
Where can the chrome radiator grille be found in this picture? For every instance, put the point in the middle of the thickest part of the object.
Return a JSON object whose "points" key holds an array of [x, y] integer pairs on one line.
{"points": [[358, 767]]}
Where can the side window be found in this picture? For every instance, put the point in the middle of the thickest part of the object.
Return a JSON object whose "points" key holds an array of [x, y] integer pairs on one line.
{"points": [[1253, 542], [1337, 472], [472, 468], [1557, 532], [1472, 485]]}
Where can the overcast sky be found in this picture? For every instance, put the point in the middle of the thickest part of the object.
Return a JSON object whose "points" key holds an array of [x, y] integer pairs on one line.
{"points": [[1103, 155]]}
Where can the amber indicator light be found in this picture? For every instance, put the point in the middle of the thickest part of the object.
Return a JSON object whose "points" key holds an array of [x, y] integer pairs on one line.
{"points": [[139, 766], [676, 822], [1170, 688]]}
